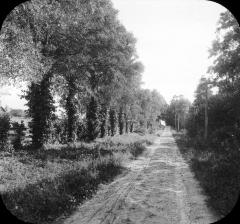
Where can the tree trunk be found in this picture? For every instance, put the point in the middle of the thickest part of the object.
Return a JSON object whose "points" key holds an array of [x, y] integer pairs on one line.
{"points": [[71, 108], [103, 121], [206, 117], [126, 123], [131, 127], [112, 120], [178, 122], [175, 121], [120, 121], [40, 108]]}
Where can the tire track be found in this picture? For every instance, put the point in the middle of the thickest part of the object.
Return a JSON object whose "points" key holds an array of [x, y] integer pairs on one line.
{"points": [[111, 213], [159, 189]]}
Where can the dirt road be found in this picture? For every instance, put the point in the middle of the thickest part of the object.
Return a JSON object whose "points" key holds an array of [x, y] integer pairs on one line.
{"points": [[160, 188]]}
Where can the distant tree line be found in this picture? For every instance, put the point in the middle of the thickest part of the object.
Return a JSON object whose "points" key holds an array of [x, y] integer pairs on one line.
{"points": [[177, 112]]}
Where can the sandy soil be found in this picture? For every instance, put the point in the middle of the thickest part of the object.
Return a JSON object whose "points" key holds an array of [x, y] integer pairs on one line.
{"points": [[159, 188]]}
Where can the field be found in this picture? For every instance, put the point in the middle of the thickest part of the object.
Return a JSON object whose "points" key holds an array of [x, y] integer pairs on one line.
{"points": [[39, 186]]}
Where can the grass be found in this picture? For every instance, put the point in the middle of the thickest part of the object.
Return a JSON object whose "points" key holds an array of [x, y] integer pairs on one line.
{"points": [[45, 200], [217, 171], [42, 185]]}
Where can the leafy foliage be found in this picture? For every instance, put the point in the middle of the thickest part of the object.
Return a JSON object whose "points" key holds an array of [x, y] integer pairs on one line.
{"points": [[79, 52], [223, 107], [41, 110], [216, 159], [92, 119]]}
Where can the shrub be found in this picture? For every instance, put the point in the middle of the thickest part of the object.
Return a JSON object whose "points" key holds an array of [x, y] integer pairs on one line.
{"points": [[136, 149], [140, 131], [60, 130]]}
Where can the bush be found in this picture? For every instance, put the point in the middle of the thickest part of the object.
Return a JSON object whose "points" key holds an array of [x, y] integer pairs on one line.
{"points": [[136, 149], [4, 129], [60, 130], [140, 131]]}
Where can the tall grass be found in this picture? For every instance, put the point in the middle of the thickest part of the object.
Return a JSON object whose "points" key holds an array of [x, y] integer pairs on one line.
{"points": [[45, 200], [42, 185]]}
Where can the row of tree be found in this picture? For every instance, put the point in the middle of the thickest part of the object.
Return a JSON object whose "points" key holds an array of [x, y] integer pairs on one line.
{"points": [[79, 51]]}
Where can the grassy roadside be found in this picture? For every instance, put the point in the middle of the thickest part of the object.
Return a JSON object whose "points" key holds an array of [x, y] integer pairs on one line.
{"points": [[218, 173], [40, 186]]}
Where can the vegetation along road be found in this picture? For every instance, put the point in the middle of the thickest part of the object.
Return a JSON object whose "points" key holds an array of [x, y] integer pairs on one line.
{"points": [[159, 189]]}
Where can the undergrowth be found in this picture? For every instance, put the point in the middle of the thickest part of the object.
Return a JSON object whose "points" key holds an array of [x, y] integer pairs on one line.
{"points": [[45, 200], [218, 172], [42, 185]]}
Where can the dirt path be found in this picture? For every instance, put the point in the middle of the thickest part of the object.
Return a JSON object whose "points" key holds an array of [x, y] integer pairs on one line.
{"points": [[159, 189]]}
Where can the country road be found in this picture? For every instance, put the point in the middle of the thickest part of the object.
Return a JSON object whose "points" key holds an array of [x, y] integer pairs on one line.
{"points": [[160, 188]]}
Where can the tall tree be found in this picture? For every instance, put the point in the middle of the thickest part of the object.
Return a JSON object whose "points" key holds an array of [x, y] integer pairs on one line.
{"points": [[41, 109], [225, 69], [27, 32]]}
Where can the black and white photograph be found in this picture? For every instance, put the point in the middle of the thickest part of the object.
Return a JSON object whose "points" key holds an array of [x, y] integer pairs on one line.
{"points": [[119, 112]]}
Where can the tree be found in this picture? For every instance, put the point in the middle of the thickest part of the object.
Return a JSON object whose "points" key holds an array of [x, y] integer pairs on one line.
{"points": [[225, 50], [41, 110], [78, 50], [27, 33], [24, 38], [202, 95], [221, 130], [225, 70]]}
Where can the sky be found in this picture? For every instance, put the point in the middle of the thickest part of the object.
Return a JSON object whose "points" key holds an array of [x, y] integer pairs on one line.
{"points": [[173, 38], [173, 41]]}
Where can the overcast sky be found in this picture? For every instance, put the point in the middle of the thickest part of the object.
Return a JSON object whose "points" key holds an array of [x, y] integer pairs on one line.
{"points": [[173, 40]]}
